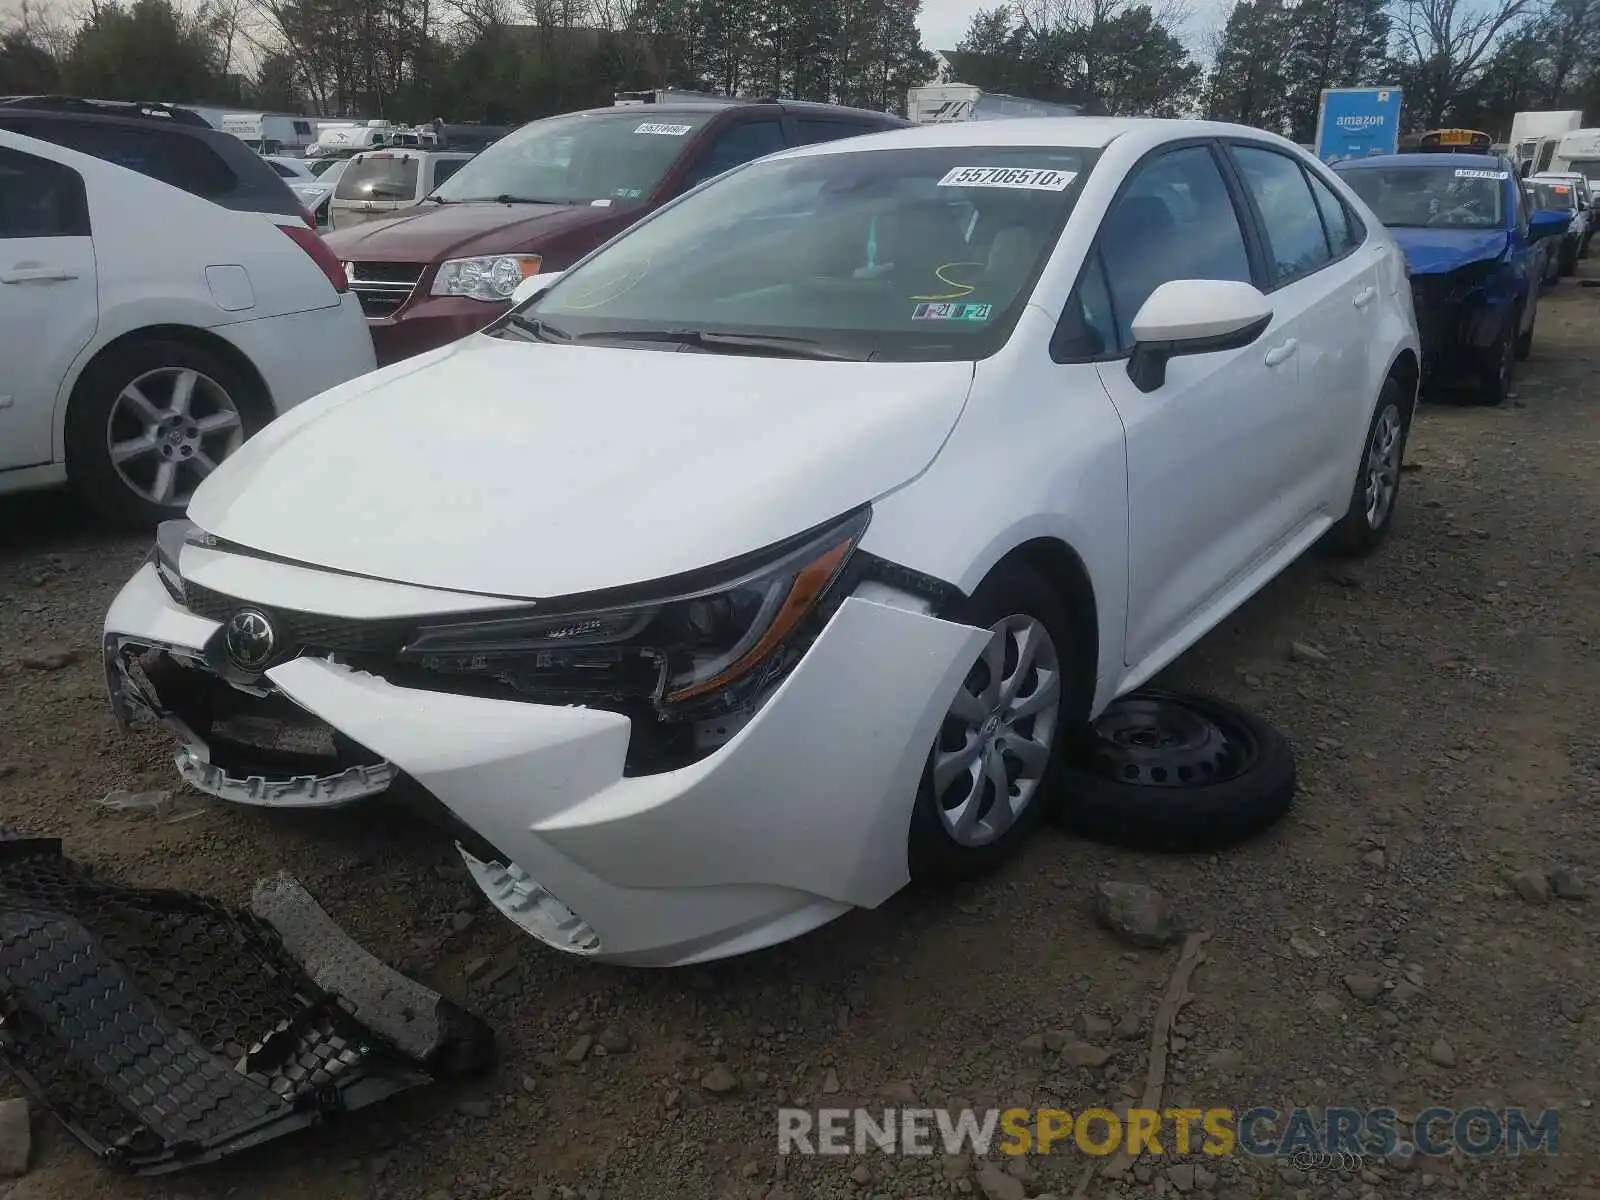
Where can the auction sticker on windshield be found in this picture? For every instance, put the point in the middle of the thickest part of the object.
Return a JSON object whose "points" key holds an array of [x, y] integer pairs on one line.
{"points": [[1465, 173], [1035, 179], [664, 130], [952, 312]]}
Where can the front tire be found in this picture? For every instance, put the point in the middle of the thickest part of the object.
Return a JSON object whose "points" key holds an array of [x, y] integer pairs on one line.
{"points": [[148, 421], [1500, 365], [996, 763], [1376, 492], [1524, 345]]}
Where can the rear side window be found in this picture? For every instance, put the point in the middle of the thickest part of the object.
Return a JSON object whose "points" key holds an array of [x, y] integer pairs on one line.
{"points": [[172, 158], [810, 130], [1342, 237], [380, 177], [1288, 210], [39, 198]]}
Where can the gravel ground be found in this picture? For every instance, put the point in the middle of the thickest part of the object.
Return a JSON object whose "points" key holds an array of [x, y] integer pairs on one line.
{"points": [[1372, 949]]}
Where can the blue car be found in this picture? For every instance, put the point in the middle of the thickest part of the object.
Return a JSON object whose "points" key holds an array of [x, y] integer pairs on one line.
{"points": [[1472, 249]]}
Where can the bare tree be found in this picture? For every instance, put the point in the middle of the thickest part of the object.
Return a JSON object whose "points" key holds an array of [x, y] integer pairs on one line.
{"points": [[1447, 44]]}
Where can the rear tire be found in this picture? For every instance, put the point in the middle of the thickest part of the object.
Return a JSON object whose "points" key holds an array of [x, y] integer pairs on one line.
{"points": [[1376, 492], [148, 420], [1001, 742]]}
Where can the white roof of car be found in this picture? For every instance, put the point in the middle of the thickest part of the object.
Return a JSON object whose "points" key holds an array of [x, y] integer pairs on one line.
{"points": [[1082, 133]]}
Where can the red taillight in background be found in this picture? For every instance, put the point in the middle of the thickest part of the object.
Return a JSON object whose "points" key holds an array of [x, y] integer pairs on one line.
{"points": [[313, 245]]}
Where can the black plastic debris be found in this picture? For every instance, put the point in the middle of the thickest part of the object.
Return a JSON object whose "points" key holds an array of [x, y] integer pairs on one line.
{"points": [[165, 1029]]}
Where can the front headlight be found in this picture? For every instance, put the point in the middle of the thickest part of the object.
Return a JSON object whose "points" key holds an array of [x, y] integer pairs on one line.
{"points": [[492, 278], [715, 645], [171, 538]]}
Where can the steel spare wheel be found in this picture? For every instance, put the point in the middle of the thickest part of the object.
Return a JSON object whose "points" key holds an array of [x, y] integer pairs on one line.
{"points": [[1168, 770]]}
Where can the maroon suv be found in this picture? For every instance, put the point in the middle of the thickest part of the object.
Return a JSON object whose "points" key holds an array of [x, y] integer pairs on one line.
{"points": [[543, 197]]}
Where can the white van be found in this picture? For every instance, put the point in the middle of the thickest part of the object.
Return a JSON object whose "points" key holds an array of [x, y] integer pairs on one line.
{"points": [[380, 183]]}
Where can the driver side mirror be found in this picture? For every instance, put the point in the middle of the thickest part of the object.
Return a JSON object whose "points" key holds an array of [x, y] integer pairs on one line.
{"points": [[532, 286], [1548, 222], [1193, 316]]}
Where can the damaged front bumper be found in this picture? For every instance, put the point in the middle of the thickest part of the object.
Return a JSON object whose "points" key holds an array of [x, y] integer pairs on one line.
{"points": [[799, 815], [237, 740], [1461, 318]]}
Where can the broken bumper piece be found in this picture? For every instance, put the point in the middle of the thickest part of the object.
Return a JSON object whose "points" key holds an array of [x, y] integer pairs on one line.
{"points": [[164, 1029]]}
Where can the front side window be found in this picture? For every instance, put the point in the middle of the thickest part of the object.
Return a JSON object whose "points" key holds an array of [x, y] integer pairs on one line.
{"points": [[619, 157], [1297, 239], [1433, 196], [382, 177], [904, 254], [810, 130], [40, 198], [737, 145], [1176, 220]]}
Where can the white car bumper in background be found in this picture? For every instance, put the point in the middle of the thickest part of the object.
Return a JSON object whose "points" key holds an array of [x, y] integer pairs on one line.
{"points": [[800, 816], [301, 355]]}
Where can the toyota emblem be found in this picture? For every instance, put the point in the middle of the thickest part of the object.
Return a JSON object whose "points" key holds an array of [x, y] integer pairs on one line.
{"points": [[250, 639]]}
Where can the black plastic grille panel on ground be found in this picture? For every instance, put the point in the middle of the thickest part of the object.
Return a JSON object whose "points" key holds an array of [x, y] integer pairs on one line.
{"points": [[163, 1028]]}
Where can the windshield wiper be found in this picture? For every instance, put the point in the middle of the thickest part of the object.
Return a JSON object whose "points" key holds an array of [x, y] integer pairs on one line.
{"points": [[437, 200], [508, 198], [538, 327], [728, 343]]}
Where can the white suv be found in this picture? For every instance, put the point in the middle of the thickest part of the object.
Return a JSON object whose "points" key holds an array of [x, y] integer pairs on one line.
{"points": [[145, 329]]}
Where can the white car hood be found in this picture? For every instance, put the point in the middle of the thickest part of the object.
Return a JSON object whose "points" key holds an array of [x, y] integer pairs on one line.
{"points": [[538, 470]]}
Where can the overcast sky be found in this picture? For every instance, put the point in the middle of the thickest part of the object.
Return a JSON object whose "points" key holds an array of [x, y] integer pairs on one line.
{"points": [[944, 22]]}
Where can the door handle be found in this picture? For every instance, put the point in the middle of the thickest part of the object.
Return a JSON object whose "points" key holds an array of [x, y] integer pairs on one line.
{"points": [[1282, 352], [1366, 296], [37, 273]]}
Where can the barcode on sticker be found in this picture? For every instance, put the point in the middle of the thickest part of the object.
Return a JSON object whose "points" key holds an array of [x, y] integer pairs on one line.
{"points": [[1466, 173], [664, 130], [1034, 179]]}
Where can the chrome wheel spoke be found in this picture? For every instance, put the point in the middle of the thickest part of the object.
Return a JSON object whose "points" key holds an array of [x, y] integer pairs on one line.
{"points": [[140, 403], [1042, 697], [132, 448], [948, 766], [217, 423], [1027, 641], [1032, 755], [162, 487], [1000, 814], [182, 393]]}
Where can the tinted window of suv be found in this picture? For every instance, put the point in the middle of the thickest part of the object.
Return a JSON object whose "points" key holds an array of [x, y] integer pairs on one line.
{"points": [[737, 145], [810, 130], [39, 198], [173, 158]]}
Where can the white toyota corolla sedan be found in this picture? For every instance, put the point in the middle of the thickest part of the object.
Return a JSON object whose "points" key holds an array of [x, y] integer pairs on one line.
{"points": [[760, 563]]}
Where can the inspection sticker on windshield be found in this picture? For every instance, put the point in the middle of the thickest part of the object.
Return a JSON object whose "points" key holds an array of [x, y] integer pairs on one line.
{"points": [[664, 130], [952, 312], [1464, 173], [1033, 179]]}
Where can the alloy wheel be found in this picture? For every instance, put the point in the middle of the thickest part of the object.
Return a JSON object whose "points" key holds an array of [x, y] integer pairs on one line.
{"points": [[1383, 466], [168, 430], [999, 735]]}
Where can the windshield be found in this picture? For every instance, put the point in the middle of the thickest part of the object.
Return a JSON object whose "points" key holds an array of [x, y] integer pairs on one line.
{"points": [[378, 177], [1439, 197], [1589, 168], [614, 158], [896, 254], [1558, 196]]}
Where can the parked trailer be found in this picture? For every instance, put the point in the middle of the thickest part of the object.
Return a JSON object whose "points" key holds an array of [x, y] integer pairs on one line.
{"points": [[940, 103], [271, 133]]}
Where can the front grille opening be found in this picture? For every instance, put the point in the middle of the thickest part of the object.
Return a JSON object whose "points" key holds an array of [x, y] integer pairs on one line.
{"points": [[248, 735]]}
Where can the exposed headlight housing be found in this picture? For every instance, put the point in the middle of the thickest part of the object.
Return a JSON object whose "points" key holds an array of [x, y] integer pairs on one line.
{"points": [[706, 648], [491, 278], [171, 538]]}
